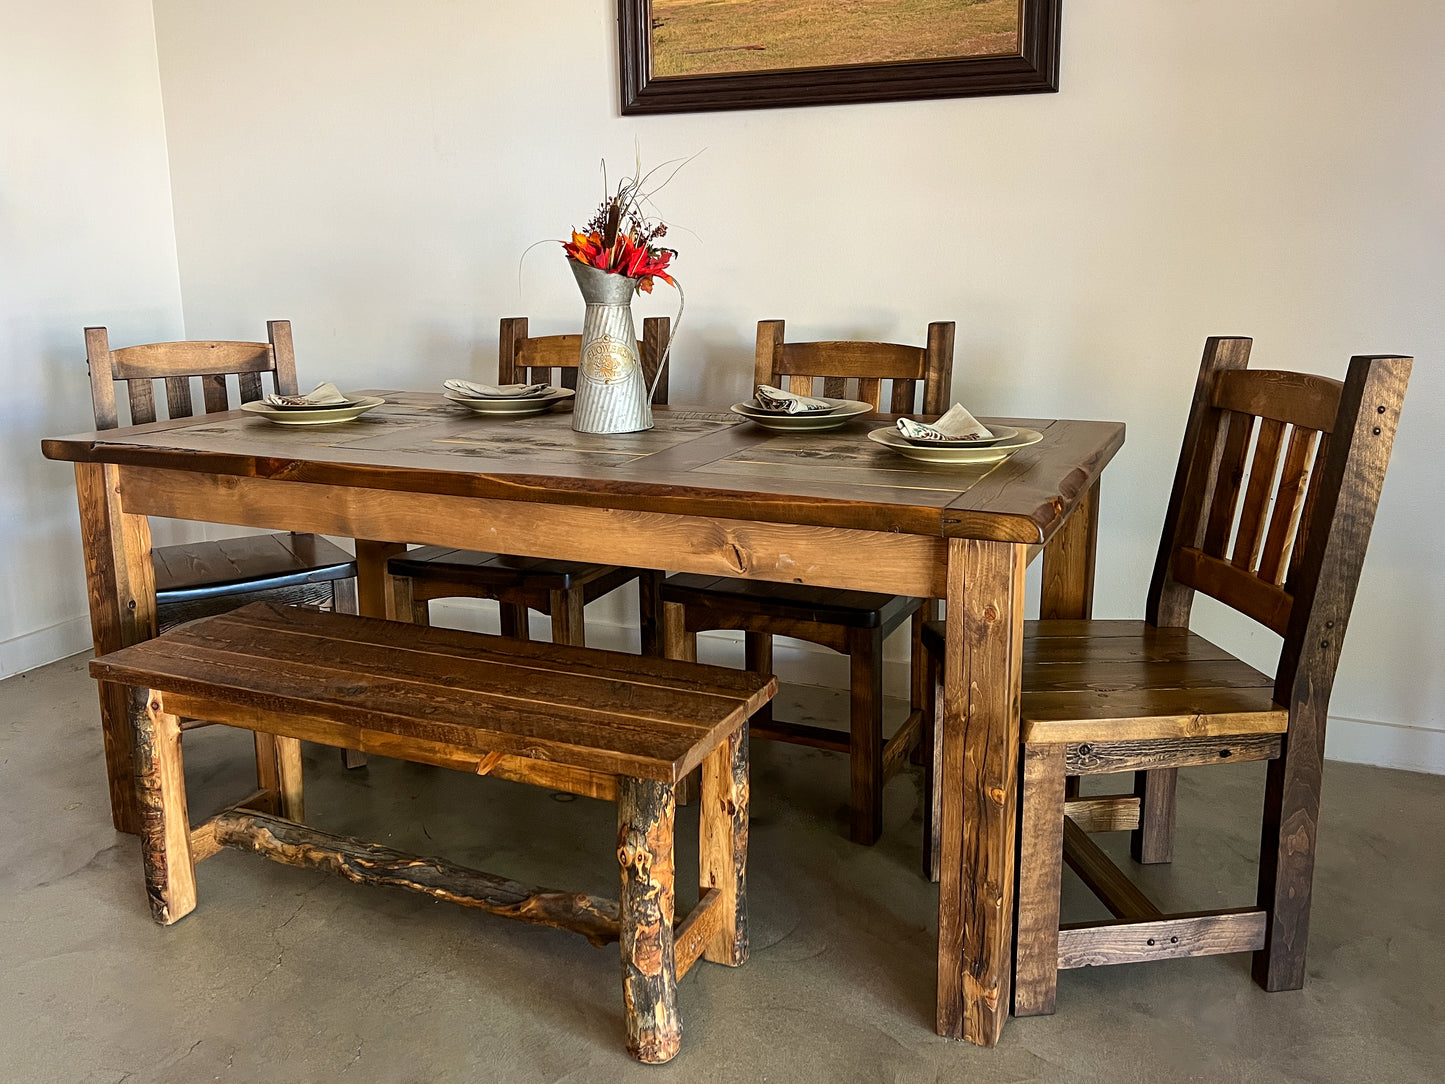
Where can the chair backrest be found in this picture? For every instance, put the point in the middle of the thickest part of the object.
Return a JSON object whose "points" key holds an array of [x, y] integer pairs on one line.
{"points": [[856, 370], [525, 360], [177, 363], [1273, 500]]}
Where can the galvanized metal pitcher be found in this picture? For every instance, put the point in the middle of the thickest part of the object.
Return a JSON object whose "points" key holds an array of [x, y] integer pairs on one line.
{"points": [[612, 393]]}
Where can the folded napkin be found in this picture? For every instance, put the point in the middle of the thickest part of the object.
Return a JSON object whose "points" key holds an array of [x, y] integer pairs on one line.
{"points": [[785, 402], [493, 391], [957, 424], [319, 396]]}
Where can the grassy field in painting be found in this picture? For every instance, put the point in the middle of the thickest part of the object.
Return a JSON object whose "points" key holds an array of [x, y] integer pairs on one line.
{"points": [[693, 37]]}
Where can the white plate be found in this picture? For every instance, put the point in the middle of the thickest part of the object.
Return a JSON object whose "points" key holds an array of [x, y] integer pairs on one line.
{"points": [[530, 404], [314, 415], [843, 409], [1000, 433], [892, 438]]}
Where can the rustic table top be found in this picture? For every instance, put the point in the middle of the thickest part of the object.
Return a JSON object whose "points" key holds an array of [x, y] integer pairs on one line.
{"points": [[696, 462]]}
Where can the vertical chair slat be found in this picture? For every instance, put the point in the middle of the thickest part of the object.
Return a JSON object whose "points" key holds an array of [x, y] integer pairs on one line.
{"points": [[142, 401], [213, 391], [1252, 517], [1288, 505], [250, 384], [870, 390], [1226, 487], [1302, 536], [178, 397]]}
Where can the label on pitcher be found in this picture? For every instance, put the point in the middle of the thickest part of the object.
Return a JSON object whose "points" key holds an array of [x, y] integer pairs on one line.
{"points": [[607, 360]]}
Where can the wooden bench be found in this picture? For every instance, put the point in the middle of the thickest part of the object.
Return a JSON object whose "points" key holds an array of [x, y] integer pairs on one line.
{"points": [[590, 722]]}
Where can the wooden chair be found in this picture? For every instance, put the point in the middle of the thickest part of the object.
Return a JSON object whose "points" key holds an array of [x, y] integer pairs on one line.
{"points": [[201, 578], [559, 589], [1270, 513], [852, 622]]}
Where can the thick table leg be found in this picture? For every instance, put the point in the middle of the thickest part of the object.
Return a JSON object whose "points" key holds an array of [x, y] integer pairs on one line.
{"points": [[723, 845], [1067, 591], [645, 811], [165, 828], [120, 583], [979, 783]]}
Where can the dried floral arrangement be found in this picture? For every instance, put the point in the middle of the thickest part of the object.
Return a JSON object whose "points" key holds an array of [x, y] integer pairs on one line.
{"points": [[621, 238]]}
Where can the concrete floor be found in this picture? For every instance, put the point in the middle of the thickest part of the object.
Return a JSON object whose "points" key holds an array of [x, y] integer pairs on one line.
{"points": [[289, 975]]}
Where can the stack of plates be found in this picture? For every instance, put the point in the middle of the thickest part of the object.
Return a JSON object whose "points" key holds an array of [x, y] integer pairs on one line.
{"points": [[1005, 441], [838, 412], [353, 408], [543, 400]]}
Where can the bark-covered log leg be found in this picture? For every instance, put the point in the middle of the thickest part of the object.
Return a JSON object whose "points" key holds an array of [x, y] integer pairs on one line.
{"points": [[723, 845], [645, 811], [165, 828]]}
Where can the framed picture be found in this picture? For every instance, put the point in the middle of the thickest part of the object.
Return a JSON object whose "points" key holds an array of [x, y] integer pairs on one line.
{"points": [[687, 56]]}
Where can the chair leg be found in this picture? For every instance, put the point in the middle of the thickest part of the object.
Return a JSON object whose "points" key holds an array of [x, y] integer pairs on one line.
{"points": [[1153, 841], [723, 845], [865, 743], [567, 624], [165, 827], [758, 657], [1041, 858], [933, 771], [649, 611], [343, 601], [920, 689], [645, 817], [677, 642], [343, 596], [403, 604], [513, 618]]}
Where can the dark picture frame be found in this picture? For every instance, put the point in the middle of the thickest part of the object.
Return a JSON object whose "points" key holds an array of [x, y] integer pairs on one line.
{"points": [[1033, 69]]}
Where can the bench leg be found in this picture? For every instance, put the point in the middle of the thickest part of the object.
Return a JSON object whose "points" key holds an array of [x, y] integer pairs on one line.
{"points": [[645, 811], [677, 642], [865, 742], [165, 827], [723, 845]]}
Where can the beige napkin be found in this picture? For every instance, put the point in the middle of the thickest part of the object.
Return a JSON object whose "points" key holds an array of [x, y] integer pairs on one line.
{"points": [[957, 424], [493, 391], [785, 402], [320, 396]]}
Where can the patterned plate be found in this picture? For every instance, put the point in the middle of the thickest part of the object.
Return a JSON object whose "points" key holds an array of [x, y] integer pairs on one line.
{"points": [[931, 453], [328, 415], [843, 409]]}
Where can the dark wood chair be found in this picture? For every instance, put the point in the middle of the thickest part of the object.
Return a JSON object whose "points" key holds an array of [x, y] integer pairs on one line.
{"points": [[1270, 513], [199, 579], [559, 589], [202, 578], [852, 622]]}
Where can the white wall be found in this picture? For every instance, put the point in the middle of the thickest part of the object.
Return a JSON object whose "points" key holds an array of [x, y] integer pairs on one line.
{"points": [[85, 238], [374, 170]]}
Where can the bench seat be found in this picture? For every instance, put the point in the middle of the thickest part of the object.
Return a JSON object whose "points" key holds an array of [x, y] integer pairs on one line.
{"points": [[604, 724]]}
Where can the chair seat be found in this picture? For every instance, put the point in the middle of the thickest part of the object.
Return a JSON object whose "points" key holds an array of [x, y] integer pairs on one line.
{"points": [[200, 570], [493, 571], [1129, 681], [789, 601]]}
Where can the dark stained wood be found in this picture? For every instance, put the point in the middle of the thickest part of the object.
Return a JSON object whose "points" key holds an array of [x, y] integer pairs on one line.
{"points": [[979, 780], [1068, 572], [1163, 939], [1345, 496], [645, 812], [1288, 506], [1299, 399], [416, 468], [1041, 839], [283, 840], [1105, 880], [558, 703]]}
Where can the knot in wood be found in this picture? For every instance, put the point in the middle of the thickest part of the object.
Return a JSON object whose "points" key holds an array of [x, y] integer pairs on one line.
{"points": [[990, 613]]}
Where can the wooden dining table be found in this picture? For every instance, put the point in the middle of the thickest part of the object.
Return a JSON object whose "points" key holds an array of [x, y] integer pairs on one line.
{"points": [[703, 491]]}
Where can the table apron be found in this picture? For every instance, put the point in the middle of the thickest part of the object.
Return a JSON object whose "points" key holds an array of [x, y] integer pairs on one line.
{"points": [[897, 563]]}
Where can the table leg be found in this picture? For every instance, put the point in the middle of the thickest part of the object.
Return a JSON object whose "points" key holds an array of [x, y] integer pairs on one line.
{"points": [[120, 583], [979, 783], [372, 596], [1068, 580], [1068, 576]]}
